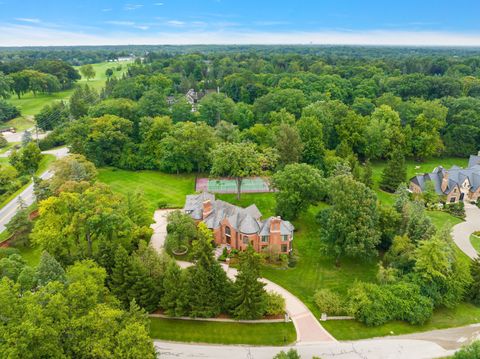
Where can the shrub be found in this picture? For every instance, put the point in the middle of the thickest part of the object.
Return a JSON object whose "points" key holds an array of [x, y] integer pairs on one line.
{"points": [[8, 111], [3, 141], [455, 209], [54, 139], [162, 204], [291, 354], [328, 302], [275, 304], [471, 351], [374, 304]]}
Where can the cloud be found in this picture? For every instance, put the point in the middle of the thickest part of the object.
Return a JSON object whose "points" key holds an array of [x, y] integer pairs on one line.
{"points": [[33, 35], [158, 4], [106, 10], [120, 23], [130, 7], [271, 23], [30, 20], [176, 23], [142, 27]]}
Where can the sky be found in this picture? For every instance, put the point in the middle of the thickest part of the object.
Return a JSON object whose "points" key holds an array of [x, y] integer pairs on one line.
{"points": [[367, 22]]}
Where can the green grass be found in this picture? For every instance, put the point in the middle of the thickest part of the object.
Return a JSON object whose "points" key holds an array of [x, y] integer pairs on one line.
{"points": [[264, 201], [443, 219], [463, 314], [30, 254], [412, 170], [222, 333], [100, 78], [156, 186], [475, 240], [30, 104]]}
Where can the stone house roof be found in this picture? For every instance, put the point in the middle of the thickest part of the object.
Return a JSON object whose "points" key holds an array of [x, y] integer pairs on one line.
{"points": [[244, 220]]}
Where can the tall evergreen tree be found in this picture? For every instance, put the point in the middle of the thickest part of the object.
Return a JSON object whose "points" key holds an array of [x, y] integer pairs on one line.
{"points": [[394, 173], [474, 291], [249, 295], [118, 278], [208, 282], [49, 270], [174, 300]]}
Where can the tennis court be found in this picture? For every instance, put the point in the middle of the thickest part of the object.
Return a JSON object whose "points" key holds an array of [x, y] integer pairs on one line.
{"points": [[228, 185]]}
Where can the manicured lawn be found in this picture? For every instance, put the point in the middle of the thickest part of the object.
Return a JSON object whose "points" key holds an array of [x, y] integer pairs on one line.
{"points": [[30, 104], [443, 219], [475, 240], [156, 186], [413, 168], [222, 333], [30, 254], [463, 314], [100, 78], [265, 202]]}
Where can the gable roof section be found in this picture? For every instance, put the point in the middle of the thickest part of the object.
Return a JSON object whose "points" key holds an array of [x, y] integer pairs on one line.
{"points": [[244, 220], [473, 160], [456, 177]]}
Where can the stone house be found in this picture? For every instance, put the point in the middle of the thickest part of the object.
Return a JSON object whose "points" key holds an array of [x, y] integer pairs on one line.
{"points": [[237, 227], [457, 183]]}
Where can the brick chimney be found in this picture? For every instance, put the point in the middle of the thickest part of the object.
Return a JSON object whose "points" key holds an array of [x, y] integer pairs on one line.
{"points": [[444, 181], [275, 224], [207, 208]]}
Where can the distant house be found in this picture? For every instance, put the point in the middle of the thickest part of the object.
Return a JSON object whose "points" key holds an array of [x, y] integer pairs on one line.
{"points": [[457, 183], [238, 227]]}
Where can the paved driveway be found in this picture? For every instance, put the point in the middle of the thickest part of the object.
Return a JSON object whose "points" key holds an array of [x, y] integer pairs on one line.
{"points": [[462, 231], [159, 228], [309, 330]]}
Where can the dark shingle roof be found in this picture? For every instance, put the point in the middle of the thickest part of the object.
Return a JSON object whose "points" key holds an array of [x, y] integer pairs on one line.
{"points": [[245, 220]]}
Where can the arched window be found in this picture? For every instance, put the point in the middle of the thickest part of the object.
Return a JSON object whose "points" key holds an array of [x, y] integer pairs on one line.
{"points": [[227, 231]]}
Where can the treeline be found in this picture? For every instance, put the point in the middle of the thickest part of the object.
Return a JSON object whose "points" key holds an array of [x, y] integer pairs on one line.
{"points": [[326, 108], [43, 76]]}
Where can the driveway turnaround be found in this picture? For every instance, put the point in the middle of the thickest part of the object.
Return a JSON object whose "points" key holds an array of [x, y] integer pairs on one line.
{"points": [[308, 328], [462, 231], [362, 349], [27, 195], [159, 228]]}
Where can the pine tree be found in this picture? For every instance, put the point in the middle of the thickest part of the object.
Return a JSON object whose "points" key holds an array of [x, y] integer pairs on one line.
{"points": [[49, 270], [174, 300], [142, 286], [118, 279], [394, 173], [474, 291], [249, 294], [208, 283]]}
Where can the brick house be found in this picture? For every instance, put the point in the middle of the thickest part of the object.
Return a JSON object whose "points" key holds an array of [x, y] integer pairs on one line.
{"points": [[238, 227], [457, 183]]}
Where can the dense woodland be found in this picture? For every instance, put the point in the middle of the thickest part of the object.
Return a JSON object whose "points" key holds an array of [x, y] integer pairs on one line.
{"points": [[312, 119]]}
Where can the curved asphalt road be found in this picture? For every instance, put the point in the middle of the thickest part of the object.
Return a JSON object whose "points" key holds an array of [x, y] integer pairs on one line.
{"points": [[27, 195]]}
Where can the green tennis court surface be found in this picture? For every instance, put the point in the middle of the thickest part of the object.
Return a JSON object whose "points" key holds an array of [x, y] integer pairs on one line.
{"points": [[226, 185]]}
